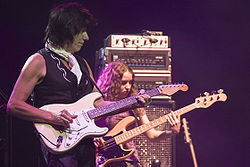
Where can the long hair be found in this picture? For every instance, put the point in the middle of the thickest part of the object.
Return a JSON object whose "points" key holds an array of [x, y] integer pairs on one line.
{"points": [[110, 83], [67, 20]]}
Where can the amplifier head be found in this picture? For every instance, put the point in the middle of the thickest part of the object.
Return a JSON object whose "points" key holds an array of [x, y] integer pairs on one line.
{"points": [[141, 59], [137, 41]]}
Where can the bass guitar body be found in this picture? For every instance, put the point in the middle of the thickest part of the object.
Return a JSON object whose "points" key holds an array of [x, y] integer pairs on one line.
{"points": [[111, 151]]}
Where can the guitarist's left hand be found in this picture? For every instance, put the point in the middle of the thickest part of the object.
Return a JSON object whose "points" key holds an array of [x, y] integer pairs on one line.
{"points": [[143, 99]]}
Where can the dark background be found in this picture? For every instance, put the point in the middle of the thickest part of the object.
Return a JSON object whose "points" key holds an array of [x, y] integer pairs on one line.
{"points": [[210, 49]]}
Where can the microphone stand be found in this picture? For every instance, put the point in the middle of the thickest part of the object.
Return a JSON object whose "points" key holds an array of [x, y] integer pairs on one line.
{"points": [[3, 112], [2, 140], [189, 141], [4, 97], [8, 140]]}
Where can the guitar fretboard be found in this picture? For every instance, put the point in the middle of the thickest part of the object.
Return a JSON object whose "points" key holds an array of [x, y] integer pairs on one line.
{"points": [[119, 104]]}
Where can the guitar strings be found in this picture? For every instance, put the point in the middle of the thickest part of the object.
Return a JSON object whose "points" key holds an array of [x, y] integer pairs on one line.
{"points": [[108, 144], [111, 142]]}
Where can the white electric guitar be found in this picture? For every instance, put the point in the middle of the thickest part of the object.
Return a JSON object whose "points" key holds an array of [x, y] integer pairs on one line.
{"points": [[58, 141]]}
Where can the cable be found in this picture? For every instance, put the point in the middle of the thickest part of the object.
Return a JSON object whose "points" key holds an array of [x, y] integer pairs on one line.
{"points": [[46, 138]]}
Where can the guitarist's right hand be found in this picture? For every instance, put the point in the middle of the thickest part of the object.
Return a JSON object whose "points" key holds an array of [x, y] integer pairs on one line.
{"points": [[63, 119]]}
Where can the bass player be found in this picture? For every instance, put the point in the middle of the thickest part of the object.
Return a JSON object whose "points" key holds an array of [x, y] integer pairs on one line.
{"points": [[117, 82]]}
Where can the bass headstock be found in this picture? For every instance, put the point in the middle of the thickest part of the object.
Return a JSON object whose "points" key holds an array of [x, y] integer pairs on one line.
{"points": [[209, 99]]}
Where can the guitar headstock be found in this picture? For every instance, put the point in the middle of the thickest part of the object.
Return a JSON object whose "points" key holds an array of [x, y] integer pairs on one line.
{"points": [[209, 99], [186, 132], [170, 89]]}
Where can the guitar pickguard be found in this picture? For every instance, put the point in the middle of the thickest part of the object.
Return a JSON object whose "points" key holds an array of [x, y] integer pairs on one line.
{"points": [[82, 126]]}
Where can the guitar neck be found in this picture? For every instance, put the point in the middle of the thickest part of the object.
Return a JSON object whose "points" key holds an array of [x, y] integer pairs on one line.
{"points": [[119, 104], [128, 135]]}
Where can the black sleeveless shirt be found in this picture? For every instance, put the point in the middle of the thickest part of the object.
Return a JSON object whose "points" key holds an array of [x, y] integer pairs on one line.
{"points": [[59, 84]]}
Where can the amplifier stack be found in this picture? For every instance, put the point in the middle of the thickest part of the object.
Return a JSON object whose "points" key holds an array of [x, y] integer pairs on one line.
{"points": [[149, 56]]}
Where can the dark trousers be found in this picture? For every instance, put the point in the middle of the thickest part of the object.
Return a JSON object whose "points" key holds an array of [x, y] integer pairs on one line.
{"points": [[83, 155], [124, 164]]}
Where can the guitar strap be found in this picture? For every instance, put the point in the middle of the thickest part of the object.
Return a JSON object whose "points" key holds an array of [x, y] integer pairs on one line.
{"points": [[91, 80]]}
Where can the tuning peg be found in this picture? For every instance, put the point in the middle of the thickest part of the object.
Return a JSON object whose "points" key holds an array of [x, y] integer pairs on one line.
{"points": [[220, 90], [213, 92], [206, 93]]}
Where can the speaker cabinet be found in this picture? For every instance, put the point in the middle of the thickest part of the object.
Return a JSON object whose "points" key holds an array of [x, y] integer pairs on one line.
{"points": [[160, 153]]}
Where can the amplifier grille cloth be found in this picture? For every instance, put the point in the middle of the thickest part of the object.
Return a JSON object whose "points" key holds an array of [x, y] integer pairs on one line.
{"points": [[162, 150]]}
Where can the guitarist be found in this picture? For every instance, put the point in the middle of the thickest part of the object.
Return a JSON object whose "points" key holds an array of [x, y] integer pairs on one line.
{"points": [[117, 82], [55, 75]]}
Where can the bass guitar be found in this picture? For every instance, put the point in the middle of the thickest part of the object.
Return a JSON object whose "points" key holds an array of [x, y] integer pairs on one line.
{"points": [[59, 141], [113, 149]]}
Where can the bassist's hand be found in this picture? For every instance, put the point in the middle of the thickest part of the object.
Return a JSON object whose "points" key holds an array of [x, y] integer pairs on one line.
{"points": [[175, 123]]}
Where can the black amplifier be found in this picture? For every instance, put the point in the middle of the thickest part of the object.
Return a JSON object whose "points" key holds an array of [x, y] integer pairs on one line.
{"points": [[137, 58], [151, 81]]}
